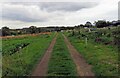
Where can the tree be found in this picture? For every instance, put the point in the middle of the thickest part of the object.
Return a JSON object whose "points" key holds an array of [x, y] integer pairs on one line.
{"points": [[101, 24], [81, 25], [116, 23], [5, 31], [32, 29], [88, 24], [108, 23]]}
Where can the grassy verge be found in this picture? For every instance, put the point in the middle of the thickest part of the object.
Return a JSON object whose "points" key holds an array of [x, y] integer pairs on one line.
{"points": [[103, 58], [61, 63], [22, 62]]}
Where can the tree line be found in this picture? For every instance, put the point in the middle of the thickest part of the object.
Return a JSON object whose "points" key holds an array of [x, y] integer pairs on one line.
{"points": [[100, 24], [6, 31]]}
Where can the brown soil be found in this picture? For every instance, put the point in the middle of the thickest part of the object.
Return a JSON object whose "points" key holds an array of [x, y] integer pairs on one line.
{"points": [[41, 69], [83, 69]]}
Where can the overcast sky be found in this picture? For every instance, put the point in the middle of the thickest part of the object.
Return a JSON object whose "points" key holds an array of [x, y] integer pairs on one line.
{"points": [[21, 13]]}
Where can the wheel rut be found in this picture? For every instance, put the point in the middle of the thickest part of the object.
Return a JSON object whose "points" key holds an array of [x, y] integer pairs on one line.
{"points": [[42, 66], [83, 68]]}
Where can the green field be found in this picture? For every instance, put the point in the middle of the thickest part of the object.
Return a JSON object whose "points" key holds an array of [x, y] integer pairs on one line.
{"points": [[20, 59], [99, 48], [61, 63], [102, 57]]}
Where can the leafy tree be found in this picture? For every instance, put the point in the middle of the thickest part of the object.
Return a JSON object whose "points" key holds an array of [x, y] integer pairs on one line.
{"points": [[32, 29], [116, 23], [108, 23], [101, 24], [5, 31], [81, 26], [88, 24]]}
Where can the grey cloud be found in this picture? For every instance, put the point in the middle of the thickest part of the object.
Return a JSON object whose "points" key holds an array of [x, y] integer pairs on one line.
{"points": [[66, 6], [21, 17], [45, 11], [21, 14], [60, 6]]}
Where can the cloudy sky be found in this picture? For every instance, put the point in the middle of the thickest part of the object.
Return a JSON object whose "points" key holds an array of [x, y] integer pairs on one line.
{"points": [[22, 13]]}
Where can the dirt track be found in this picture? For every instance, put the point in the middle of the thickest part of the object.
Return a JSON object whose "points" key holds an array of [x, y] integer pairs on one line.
{"points": [[83, 69], [41, 69]]}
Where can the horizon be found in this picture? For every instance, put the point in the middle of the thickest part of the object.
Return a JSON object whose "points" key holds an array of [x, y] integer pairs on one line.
{"points": [[57, 25], [17, 15]]}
